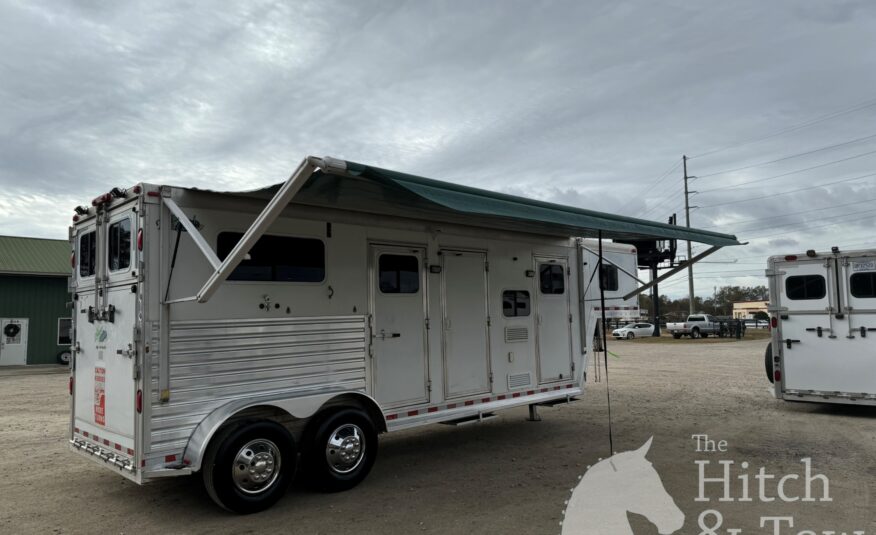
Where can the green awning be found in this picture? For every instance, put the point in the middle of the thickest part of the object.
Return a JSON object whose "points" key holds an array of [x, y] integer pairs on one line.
{"points": [[551, 217]]}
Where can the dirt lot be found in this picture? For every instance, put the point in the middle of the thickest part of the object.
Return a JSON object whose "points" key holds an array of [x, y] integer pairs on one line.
{"points": [[504, 476]]}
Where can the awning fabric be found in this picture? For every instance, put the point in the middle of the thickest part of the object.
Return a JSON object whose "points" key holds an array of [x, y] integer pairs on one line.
{"points": [[574, 221]]}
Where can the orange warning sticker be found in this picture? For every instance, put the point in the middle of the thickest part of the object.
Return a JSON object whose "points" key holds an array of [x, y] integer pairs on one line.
{"points": [[100, 396]]}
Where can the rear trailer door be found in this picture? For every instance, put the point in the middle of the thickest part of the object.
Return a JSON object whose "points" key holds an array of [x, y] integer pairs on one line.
{"points": [[105, 321], [859, 283], [814, 356]]}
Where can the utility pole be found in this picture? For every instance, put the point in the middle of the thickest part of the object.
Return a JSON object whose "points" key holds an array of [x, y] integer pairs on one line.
{"points": [[690, 286]]}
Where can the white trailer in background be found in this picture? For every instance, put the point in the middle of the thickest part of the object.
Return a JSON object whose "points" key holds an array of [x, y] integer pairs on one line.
{"points": [[823, 319], [619, 278], [230, 334]]}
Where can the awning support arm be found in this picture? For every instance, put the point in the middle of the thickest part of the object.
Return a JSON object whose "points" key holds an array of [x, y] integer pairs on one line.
{"points": [[673, 271], [222, 269]]}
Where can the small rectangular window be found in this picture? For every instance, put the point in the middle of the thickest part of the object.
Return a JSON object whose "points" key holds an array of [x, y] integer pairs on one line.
{"points": [[515, 303], [87, 250], [805, 287], [399, 274], [120, 245], [553, 278], [608, 277], [696, 318], [276, 258], [64, 326], [863, 285]]}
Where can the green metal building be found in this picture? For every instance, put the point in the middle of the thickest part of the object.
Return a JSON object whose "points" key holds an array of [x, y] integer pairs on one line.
{"points": [[34, 318]]}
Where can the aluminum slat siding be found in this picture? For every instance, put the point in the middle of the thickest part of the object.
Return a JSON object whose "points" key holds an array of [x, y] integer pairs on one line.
{"points": [[213, 362]]}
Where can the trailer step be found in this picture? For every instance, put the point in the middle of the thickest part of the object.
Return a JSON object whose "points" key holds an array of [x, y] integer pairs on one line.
{"points": [[471, 419], [554, 402]]}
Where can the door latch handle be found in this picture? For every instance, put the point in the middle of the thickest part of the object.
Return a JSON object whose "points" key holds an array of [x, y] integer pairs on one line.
{"points": [[126, 352], [788, 342], [384, 335]]}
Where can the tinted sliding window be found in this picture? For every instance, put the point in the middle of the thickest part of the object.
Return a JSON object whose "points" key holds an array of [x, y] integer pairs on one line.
{"points": [[276, 258], [120, 245], [553, 280], [515, 303], [805, 287], [87, 250], [399, 274], [863, 285], [608, 278]]}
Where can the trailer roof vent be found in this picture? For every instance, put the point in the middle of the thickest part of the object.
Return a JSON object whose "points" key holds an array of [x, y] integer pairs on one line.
{"points": [[516, 334]]}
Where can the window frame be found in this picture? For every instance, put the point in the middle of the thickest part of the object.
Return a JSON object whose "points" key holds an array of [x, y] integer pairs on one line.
{"points": [[325, 272], [79, 255], [609, 268], [419, 271], [58, 333], [541, 280], [872, 276], [517, 291], [808, 275], [131, 245]]}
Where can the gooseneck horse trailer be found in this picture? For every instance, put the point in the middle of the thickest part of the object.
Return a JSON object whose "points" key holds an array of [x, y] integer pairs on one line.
{"points": [[244, 335]]}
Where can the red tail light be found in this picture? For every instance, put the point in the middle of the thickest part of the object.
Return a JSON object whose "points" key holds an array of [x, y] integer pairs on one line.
{"points": [[774, 322], [139, 401], [70, 385], [75, 218], [140, 240], [101, 199], [777, 375], [791, 258]]}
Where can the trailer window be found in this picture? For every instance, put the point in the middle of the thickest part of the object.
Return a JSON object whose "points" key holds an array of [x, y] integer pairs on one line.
{"points": [[515, 303], [553, 280], [805, 287], [276, 258], [64, 338], [87, 250], [608, 277], [399, 274], [120, 245], [863, 284]]}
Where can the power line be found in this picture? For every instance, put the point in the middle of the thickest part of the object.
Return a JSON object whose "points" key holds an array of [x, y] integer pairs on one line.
{"points": [[790, 157], [761, 180], [781, 225], [788, 192], [795, 213], [661, 178], [668, 197], [811, 228], [857, 107]]}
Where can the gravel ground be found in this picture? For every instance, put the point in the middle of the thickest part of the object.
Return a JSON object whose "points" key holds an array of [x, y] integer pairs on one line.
{"points": [[506, 475]]}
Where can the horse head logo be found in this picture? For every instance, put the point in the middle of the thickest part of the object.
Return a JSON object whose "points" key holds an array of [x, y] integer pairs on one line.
{"points": [[625, 482]]}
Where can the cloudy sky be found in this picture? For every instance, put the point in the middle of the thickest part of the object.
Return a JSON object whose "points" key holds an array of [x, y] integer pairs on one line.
{"points": [[584, 103]]}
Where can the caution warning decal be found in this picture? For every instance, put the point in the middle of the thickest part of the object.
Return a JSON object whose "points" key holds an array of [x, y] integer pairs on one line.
{"points": [[100, 396]]}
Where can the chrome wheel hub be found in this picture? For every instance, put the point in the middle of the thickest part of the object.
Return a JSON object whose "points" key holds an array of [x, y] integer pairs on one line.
{"points": [[345, 448], [256, 466]]}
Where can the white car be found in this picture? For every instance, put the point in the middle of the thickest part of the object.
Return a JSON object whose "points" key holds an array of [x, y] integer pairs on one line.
{"points": [[633, 330]]}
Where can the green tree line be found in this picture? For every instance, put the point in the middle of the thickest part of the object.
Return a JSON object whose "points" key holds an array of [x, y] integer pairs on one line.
{"points": [[719, 304]]}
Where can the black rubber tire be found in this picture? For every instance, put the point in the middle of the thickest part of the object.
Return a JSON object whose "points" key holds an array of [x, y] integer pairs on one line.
{"points": [[64, 357], [630, 336], [676, 336], [316, 469], [695, 333], [768, 362], [219, 461]]}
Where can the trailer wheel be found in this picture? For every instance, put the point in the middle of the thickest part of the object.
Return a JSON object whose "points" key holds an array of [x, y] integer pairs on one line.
{"points": [[249, 467], [768, 362], [695, 333], [341, 450]]}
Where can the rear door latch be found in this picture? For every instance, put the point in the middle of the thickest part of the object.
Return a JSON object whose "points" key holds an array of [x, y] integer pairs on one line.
{"points": [[788, 342]]}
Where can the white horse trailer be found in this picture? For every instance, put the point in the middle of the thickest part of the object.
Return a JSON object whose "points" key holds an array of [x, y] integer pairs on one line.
{"points": [[242, 335], [617, 278], [823, 319]]}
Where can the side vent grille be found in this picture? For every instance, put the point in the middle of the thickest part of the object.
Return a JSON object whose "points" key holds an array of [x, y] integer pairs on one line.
{"points": [[516, 334], [519, 380]]}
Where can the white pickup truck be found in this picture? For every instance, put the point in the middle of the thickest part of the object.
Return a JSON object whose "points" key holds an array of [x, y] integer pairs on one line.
{"points": [[696, 326]]}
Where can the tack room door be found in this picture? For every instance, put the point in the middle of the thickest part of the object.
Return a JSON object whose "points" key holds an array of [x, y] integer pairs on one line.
{"points": [[465, 330], [398, 326], [13, 341], [553, 317]]}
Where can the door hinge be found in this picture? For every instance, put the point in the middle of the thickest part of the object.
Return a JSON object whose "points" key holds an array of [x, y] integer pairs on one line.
{"points": [[429, 385], [573, 365], [570, 318], [487, 267], [491, 377], [427, 324], [489, 321], [136, 372]]}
